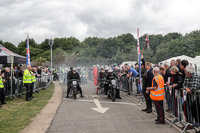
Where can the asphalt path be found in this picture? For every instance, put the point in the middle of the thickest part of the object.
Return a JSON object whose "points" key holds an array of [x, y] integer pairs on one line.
{"points": [[98, 114]]}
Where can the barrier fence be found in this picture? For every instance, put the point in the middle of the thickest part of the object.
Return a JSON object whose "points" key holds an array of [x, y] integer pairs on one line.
{"points": [[17, 88], [184, 107]]}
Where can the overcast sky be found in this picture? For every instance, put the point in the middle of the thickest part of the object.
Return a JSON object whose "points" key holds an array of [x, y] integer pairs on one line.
{"points": [[103, 18]]}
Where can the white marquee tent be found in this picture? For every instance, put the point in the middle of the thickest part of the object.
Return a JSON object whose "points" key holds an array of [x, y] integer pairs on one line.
{"points": [[191, 60]]}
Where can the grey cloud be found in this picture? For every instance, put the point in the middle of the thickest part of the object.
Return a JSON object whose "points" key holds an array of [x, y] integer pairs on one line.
{"points": [[82, 18]]}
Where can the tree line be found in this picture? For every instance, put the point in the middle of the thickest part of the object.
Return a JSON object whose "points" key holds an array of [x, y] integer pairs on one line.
{"points": [[96, 50]]}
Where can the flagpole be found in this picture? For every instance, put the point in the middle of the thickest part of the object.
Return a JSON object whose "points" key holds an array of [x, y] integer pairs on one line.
{"points": [[27, 52], [139, 60]]}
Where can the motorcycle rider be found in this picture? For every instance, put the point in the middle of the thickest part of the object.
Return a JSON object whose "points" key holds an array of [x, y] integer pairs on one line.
{"points": [[101, 77], [73, 75], [106, 84], [110, 76]]}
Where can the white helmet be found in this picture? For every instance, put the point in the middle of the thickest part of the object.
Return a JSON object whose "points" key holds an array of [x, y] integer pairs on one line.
{"points": [[110, 70]]}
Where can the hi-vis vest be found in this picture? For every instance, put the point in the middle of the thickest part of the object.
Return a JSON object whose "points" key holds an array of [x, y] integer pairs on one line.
{"points": [[158, 94], [33, 79], [82, 72], [55, 71], [1, 83], [27, 77]]}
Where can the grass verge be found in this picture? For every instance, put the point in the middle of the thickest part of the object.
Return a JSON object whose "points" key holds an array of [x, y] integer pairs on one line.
{"points": [[18, 113]]}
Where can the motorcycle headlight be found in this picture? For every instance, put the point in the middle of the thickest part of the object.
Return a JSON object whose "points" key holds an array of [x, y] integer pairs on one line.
{"points": [[113, 82], [74, 82]]}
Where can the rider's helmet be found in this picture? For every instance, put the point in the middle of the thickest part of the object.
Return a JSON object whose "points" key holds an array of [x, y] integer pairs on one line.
{"points": [[74, 70], [110, 70], [106, 68]]}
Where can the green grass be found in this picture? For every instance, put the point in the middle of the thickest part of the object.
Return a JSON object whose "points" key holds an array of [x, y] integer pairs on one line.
{"points": [[18, 113]]}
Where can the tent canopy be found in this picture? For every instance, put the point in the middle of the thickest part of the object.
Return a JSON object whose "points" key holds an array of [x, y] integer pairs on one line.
{"points": [[7, 56], [191, 60]]}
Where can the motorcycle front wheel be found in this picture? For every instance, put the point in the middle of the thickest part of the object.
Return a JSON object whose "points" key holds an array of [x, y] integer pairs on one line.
{"points": [[74, 93], [113, 94]]}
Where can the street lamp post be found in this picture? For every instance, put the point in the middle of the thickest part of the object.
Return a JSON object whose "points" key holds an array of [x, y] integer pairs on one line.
{"points": [[51, 43]]}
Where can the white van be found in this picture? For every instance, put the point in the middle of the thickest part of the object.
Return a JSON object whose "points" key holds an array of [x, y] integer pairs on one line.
{"points": [[130, 63]]}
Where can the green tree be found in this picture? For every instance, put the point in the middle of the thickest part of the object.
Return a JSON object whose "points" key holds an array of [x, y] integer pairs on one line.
{"points": [[10, 46]]}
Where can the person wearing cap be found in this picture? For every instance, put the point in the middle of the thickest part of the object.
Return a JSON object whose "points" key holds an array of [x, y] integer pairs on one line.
{"points": [[157, 94], [74, 75]]}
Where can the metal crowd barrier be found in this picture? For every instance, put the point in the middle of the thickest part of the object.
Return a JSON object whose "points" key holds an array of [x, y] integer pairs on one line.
{"points": [[18, 88], [124, 83], [133, 85], [185, 107], [130, 85]]}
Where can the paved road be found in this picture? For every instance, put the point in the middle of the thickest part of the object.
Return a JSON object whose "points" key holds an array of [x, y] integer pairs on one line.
{"points": [[123, 116]]}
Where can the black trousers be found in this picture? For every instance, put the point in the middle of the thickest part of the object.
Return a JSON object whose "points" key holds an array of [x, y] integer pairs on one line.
{"points": [[31, 89], [191, 108], [2, 91], [117, 93], [106, 88], [148, 99], [28, 86], [78, 87], [7, 87], [160, 110]]}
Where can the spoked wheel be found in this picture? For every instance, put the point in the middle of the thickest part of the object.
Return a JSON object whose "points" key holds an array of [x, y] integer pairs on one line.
{"points": [[113, 94]]}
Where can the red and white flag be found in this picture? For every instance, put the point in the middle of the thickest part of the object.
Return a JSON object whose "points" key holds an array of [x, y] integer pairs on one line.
{"points": [[147, 40]]}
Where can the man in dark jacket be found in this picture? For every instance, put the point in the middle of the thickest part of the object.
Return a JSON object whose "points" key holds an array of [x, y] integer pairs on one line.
{"points": [[74, 75], [68, 76], [7, 77], [183, 66], [148, 83]]}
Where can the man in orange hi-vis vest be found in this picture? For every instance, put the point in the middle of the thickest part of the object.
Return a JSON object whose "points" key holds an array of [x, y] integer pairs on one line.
{"points": [[157, 95]]}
